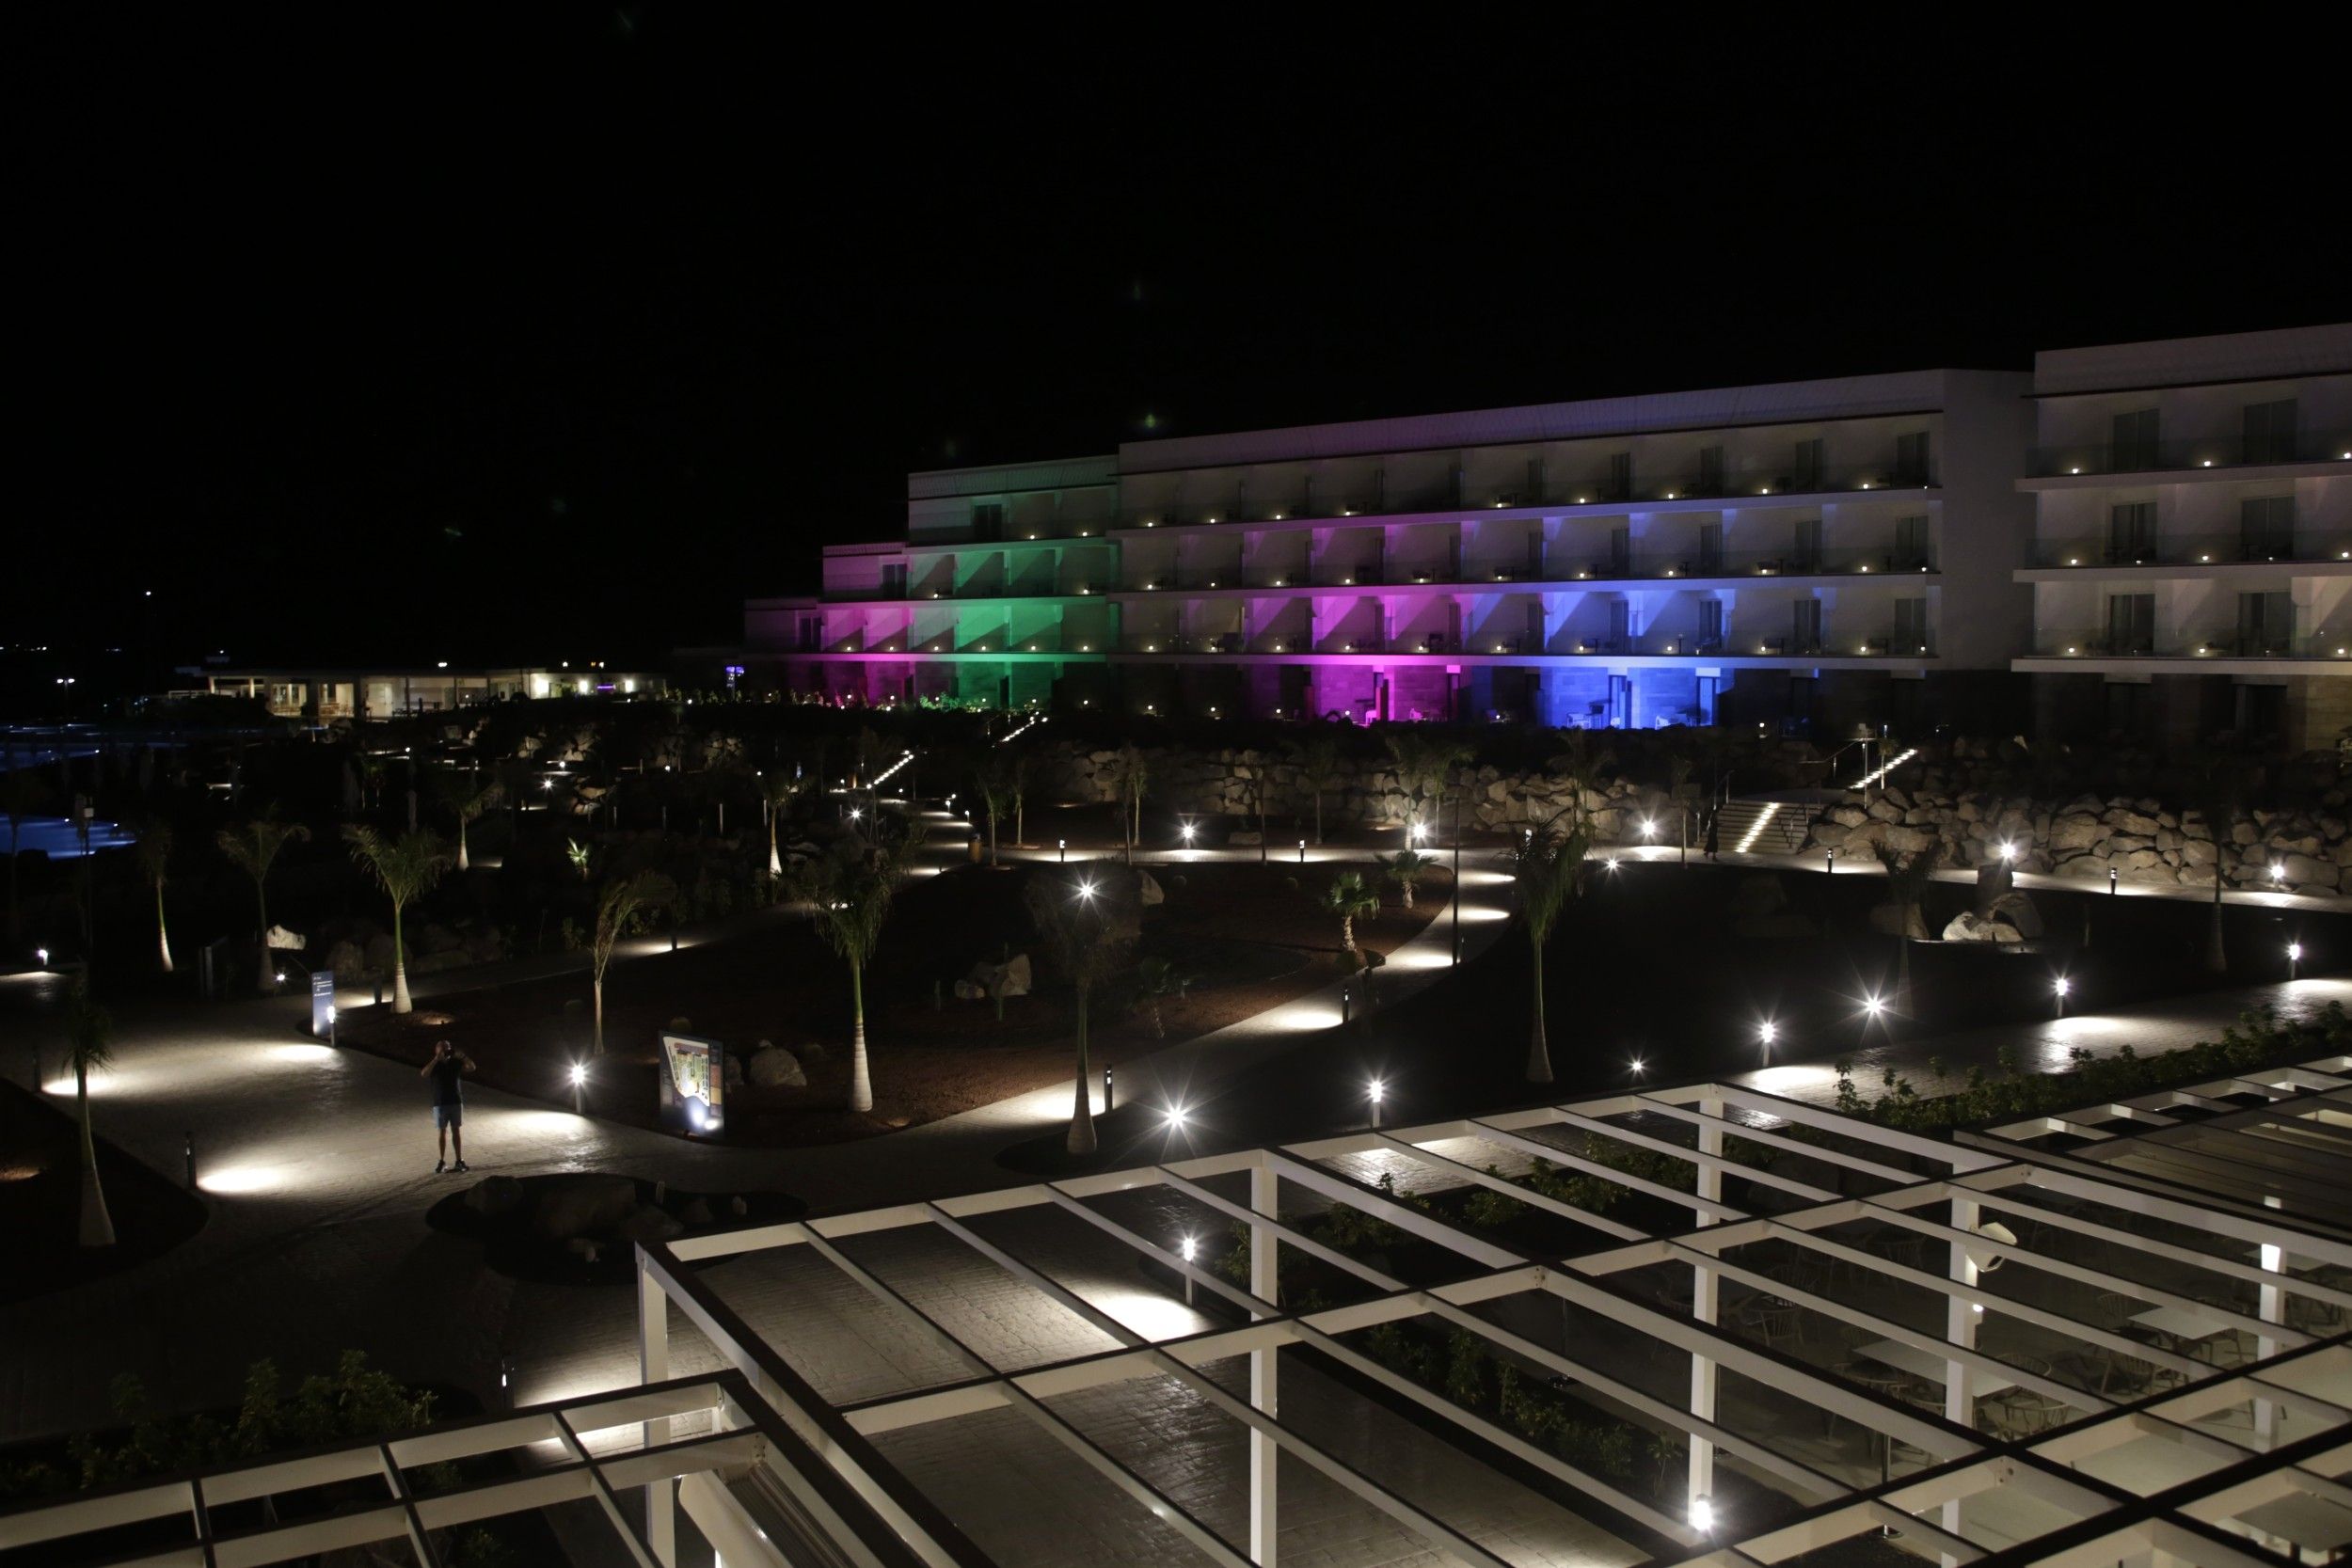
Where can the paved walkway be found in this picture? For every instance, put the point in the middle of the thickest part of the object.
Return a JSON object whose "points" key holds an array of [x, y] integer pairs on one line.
{"points": [[317, 1163]]}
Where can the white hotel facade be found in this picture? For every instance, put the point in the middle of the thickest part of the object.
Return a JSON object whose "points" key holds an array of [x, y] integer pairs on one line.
{"points": [[1873, 549]]}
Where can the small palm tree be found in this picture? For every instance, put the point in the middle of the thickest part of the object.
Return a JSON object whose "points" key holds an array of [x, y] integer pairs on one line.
{"points": [[1157, 979], [1088, 922], [1318, 763], [1350, 897], [1424, 757], [467, 796], [1581, 760], [2221, 801], [154, 848], [1404, 868], [1132, 774], [577, 853], [849, 892], [253, 849], [993, 779], [405, 868], [1547, 869], [623, 903], [1017, 781], [87, 1033], [1907, 879]]}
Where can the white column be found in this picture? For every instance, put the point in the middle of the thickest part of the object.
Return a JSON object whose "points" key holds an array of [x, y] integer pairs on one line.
{"points": [[1960, 1328], [2272, 1309], [1703, 1297], [1263, 1455], [653, 1366]]}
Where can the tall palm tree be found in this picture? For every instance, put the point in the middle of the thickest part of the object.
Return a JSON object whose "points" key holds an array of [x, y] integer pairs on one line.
{"points": [[622, 901], [1088, 922], [1907, 879], [1350, 897], [849, 892], [253, 849], [1580, 761], [779, 789], [1548, 870], [993, 779], [1318, 762], [1132, 773], [154, 848], [87, 1032], [405, 868], [21, 794], [1017, 780], [467, 796], [2220, 800]]}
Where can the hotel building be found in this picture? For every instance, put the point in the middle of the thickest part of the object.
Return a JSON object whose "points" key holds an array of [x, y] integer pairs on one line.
{"points": [[1804, 555], [1807, 551], [2192, 563]]}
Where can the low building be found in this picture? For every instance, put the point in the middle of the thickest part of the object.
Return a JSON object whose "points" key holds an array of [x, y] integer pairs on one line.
{"points": [[336, 696]]}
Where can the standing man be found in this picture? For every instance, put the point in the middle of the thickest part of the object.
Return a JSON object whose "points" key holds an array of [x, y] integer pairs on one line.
{"points": [[449, 1100]]}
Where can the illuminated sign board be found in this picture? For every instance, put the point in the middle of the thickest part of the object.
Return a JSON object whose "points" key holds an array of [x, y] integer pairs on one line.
{"points": [[694, 1083]]}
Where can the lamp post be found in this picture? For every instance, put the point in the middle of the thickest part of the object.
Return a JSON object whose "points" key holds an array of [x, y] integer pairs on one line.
{"points": [[1061, 850], [2060, 987], [1188, 1249], [1829, 861], [2295, 957], [579, 1082], [2114, 876], [1766, 1033], [1373, 1092]]}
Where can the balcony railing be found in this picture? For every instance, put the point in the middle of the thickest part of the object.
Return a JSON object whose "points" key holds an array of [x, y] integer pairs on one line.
{"points": [[2217, 452], [1567, 566], [1655, 645], [1744, 486], [2201, 550], [2193, 645]]}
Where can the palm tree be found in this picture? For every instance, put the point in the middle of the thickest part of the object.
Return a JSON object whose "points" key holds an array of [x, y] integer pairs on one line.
{"points": [[22, 794], [1424, 758], [1350, 897], [577, 853], [405, 868], [1547, 869], [617, 910], [1130, 772], [1580, 759], [779, 790], [2220, 800], [1088, 922], [467, 796], [154, 848], [87, 1030], [848, 893], [1017, 780], [1318, 762], [1404, 868], [1907, 879], [994, 778], [253, 849]]}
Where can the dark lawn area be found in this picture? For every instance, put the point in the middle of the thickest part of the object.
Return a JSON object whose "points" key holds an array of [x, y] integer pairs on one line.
{"points": [[40, 1201]]}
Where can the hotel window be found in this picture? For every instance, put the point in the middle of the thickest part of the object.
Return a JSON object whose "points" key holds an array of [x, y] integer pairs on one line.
{"points": [[2133, 441], [1911, 458], [2132, 532], [1805, 625], [1620, 477], [1806, 470], [988, 521], [1710, 547], [2270, 432], [2131, 623], [1620, 624], [1710, 625], [1804, 545], [1620, 550], [893, 581], [1710, 479], [1911, 542], [812, 630], [2265, 528], [2265, 623], [1910, 626]]}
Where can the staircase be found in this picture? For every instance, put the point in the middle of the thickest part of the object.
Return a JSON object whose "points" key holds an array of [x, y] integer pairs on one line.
{"points": [[1762, 827]]}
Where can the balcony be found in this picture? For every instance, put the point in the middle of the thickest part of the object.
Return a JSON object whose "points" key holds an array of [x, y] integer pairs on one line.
{"points": [[1678, 486], [2201, 550], [2191, 646], [2193, 454], [1565, 567]]}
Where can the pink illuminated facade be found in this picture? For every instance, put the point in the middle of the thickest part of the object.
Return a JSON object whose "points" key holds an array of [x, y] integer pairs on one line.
{"points": [[1815, 553]]}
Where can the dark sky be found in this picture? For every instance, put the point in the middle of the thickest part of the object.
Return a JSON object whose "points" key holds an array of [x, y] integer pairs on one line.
{"points": [[418, 333]]}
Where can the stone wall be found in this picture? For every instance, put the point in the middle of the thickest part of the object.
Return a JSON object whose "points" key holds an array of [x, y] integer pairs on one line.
{"points": [[2141, 840]]}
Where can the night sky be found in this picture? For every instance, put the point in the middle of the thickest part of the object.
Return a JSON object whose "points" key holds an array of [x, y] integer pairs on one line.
{"points": [[414, 335]]}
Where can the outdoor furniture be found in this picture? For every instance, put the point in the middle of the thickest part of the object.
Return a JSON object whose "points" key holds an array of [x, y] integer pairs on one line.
{"points": [[2311, 1523], [2180, 1330], [2020, 1413], [1770, 1318]]}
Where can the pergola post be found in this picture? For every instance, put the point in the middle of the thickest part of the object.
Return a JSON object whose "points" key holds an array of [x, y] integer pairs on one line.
{"points": [[1704, 1282], [1265, 1456], [653, 1366], [2272, 1306], [1959, 1329]]}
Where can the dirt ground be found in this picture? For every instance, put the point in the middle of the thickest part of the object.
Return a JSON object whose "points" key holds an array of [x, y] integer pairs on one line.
{"points": [[1247, 933]]}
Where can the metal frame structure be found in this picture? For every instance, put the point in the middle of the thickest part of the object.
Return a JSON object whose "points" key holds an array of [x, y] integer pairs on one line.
{"points": [[2220, 1462]]}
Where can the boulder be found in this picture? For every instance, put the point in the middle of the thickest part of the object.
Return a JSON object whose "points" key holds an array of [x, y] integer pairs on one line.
{"points": [[347, 960], [2016, 910], [696, 1213], [774, 1068], [1968, 926], [2075, 832], [734, 1072], [1148, 890], [2303, 868], [646, 1223], [283, 941], [1995, 881], [583, 1205], [495, 1196]]}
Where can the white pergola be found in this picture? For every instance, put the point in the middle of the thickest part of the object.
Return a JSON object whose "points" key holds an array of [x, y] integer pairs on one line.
{"points": [[2117, 1336]]}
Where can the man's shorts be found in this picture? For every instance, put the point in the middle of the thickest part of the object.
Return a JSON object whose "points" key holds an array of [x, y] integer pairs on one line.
{"points": [[446, 1116]]}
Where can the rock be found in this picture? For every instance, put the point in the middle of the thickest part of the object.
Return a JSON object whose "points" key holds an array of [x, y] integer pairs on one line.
{"points": [[2302, 868], [646, 1223], [1995, 881], [495, 1196], [283, 941], [583, 1247], [1148, 890], [2016, 910], [777, 1068], [1967, 926], [2075, 832], [733, 1072], [347, 960], [585, 1205], [696, 1213], [2133, 822]]}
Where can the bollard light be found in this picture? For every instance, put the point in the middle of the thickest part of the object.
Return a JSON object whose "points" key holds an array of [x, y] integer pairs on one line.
{"points": [[2295, 957], [1829, 862], [1107, 1091], [1872, 1006], [2114, 876], [1185, 832], [1302, 851], [1189, 1247], [1766, 1033], [43, 954], [1649, 828], [2009, 851], [1637, 1067], [1061, 850], [2277, 872], [1703, 1515], [2060, 986]]}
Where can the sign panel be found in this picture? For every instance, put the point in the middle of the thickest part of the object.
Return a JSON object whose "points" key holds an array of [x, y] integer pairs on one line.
{"points": [[694, 1083], [322, 1002]]}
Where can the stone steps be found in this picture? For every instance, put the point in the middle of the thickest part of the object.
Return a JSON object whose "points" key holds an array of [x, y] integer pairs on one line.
{"points": [[1761, 827]]}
